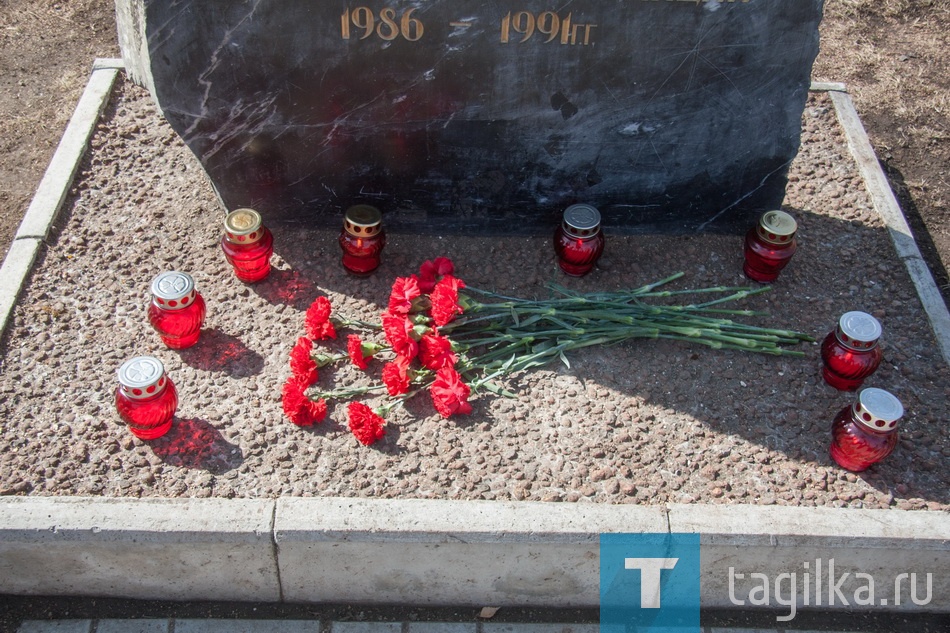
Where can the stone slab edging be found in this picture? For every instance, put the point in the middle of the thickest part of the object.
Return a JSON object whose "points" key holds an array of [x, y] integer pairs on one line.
{"points": [[882, 196], [435, 552], [49, 196]]}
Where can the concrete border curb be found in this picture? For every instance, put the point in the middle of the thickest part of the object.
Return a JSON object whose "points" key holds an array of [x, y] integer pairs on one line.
{"points": [[421, 551], [46, 203], [890, 211], [425, 552]]}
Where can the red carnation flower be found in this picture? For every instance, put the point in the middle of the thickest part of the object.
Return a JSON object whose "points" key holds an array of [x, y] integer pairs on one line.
{"points": [[449, 393], [396, 376], [317, 320], [398, 330], [404, 290], [298, 408], [365, 424], [445, 297], [356, 349], [436, 352], [432, 270], [301, 363]]}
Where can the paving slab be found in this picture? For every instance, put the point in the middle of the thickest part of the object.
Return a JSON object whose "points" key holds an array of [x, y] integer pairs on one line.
{"points": [[56, 626], [442, 627], [245, 626], [491, 627], [133, 626], [366, 627]]}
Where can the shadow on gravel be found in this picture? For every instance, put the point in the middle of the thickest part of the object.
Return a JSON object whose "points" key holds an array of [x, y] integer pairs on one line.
{"points": [[217, 351], [287, 287], [925, 242], [779, 405], [194, 443]]}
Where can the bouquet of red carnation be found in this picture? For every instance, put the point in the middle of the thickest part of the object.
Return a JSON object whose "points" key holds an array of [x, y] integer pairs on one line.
{"points": [[446, 342], [421, 358]]}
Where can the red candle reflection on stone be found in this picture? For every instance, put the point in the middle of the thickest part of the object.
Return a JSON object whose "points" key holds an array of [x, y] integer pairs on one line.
{"points": [[146, 398], [247, 245], [362, 239], [769, 246], [578, 240], [851, 353], [177, 310], [864, 433]]}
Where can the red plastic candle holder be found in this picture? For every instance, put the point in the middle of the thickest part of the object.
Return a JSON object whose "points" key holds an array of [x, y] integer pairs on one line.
{"points": [[578, 240], [177, 309], [769, 246], [146, 398], [247, 245], [850, 353], [864, 433], [362, 239]]}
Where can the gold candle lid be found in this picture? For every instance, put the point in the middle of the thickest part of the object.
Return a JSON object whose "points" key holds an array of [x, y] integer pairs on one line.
{"points": [[363, 220], [777, 227], [243, 226]]}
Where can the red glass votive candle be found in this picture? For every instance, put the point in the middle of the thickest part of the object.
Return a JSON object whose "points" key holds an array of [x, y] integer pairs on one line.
{"points": [[146, 398], [177, 309], [769, 246], [362, 239], [578, 240], [851, 353], [247, 245], [864, 433]]}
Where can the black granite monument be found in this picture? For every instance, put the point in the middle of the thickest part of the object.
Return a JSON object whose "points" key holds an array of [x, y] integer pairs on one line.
{"points": [[667, 115]]}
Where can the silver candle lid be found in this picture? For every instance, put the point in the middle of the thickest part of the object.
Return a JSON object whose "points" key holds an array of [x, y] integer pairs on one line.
{"points": [[878, 409], [858, 330], [142, 377], [581, 220], [173, 290]]}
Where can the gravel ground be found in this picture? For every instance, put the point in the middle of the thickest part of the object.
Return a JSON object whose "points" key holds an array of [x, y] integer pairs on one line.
{"points": [[646, 422]]}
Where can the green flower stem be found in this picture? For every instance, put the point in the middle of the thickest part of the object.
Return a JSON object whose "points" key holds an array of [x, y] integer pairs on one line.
{"points": [[342, 394], [355, 323]]}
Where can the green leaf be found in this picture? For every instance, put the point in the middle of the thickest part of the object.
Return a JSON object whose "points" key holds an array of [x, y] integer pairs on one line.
{"points": [[564, 359], [498, 389]]}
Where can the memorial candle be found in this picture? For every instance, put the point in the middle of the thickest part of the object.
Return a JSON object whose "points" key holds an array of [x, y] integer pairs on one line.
{"points": [[177, 310], [247, 245], [578, 240], [146, 398], [362, 239], [864, 433], [850, 353], [769, 246]]}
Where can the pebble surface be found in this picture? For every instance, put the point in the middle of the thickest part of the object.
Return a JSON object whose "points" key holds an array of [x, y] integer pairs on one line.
{"points": [[646, 422]]}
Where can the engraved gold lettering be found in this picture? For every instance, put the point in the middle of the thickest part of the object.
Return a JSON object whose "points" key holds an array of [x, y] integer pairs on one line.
{"points": [[523, 22], [387, 29], [549, 24], [363, 18], [412, 28], [566, 29], [345, 24]]}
